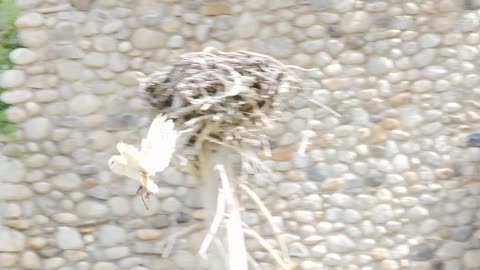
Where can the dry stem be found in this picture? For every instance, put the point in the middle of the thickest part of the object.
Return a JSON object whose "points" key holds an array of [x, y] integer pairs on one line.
{"points": [[268, 216], [170, 241], [217, 219], [237, 259], [267, 247]]}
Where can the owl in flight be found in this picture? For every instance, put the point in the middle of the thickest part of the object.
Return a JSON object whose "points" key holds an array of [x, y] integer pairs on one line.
{"points": [[154, 156]]}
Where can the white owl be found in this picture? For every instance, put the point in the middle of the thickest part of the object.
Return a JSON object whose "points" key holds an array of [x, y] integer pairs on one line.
{"points": [[155, 155]]}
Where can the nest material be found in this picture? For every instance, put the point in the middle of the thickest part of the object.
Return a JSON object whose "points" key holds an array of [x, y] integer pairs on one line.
{"points": [[220, 96]]}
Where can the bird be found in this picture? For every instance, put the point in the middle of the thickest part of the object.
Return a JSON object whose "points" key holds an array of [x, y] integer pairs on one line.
{"points": [[154, 156]]}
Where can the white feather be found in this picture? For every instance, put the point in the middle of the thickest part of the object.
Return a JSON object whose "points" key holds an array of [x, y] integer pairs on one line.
{"points": [[159, 145], [155, 154], [151, 186]]}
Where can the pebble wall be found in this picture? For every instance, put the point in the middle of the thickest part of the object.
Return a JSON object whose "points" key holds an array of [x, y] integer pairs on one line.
{"points": [[390, 182]]}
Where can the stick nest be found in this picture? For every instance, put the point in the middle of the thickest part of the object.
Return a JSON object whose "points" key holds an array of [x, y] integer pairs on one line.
{"points": [[219, 96]]}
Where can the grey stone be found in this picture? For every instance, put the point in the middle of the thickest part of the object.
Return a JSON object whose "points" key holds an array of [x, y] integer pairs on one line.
{"points": [[470, 259], [27, 4], [22, 56], [91, 209], [175, 41], [351, 216], [181, 217], [417, 213], [288, 189], [12, 78], [194, 198], [119, 206], [341, 200], [61, 163], [29, 20], [246, 26], [118, 62], [68, 238], [110, 235], [356, 22], [298, 250], [90, 28], [37, 128], [81, 4], [54, 262], [33, 38], [95, 60], [422, 252], [280, 47], [151, 19], [14, 192], [112, 27], [450, 250], [429, 226], [424, 58], [105, 44], [104, 266], [147, 39], [99, 192], [317, 172], [184, 259], [378, 65], [332, 259], [304, 216], [64, 31], [46, 95], [115, 253], [429, 40], [69, 70], [171, 205], [84, 104], [340, 243], [382, 213], [461, 233], [88, 169], [401, 163], [305, 20], [30, 260], [16, 96], [11, 240], [473, 140], [65, 218], [13, 170], [67, 182]]}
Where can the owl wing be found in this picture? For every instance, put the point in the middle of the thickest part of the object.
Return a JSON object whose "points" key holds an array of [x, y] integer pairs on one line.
{"points": [[159, 145], [131, 154]]}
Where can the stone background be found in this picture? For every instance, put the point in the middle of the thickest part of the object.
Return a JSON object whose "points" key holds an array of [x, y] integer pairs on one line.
{"points": [[392, 183]]}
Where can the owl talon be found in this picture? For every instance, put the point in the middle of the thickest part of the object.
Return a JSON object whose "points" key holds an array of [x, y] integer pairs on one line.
{"points": [[140, 189], [144, 197]]}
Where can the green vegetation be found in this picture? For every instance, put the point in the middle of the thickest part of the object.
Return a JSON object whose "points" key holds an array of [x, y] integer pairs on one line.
{"points": [[8, 42]]}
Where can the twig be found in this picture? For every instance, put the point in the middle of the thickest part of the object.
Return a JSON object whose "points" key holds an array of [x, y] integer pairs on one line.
{"points": [[266, 246], [237, 251], [306, 135], [325, 107], [171, 240], [252, 262], [269, 217], [217, 219]]}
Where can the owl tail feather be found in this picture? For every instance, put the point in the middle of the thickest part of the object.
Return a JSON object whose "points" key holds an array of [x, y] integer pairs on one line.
{"points": [[151, 186]]}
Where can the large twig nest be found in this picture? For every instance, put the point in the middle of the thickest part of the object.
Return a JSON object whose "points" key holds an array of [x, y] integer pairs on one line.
{"points": [[219, 96]]}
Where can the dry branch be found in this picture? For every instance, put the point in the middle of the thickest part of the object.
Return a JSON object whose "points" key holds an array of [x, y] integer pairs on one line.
{"points": [[268, 216], [234, 91], [219, 101]]}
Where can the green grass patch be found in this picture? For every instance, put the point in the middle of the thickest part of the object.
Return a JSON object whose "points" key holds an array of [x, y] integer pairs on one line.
{"points": [[8, 42]]}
